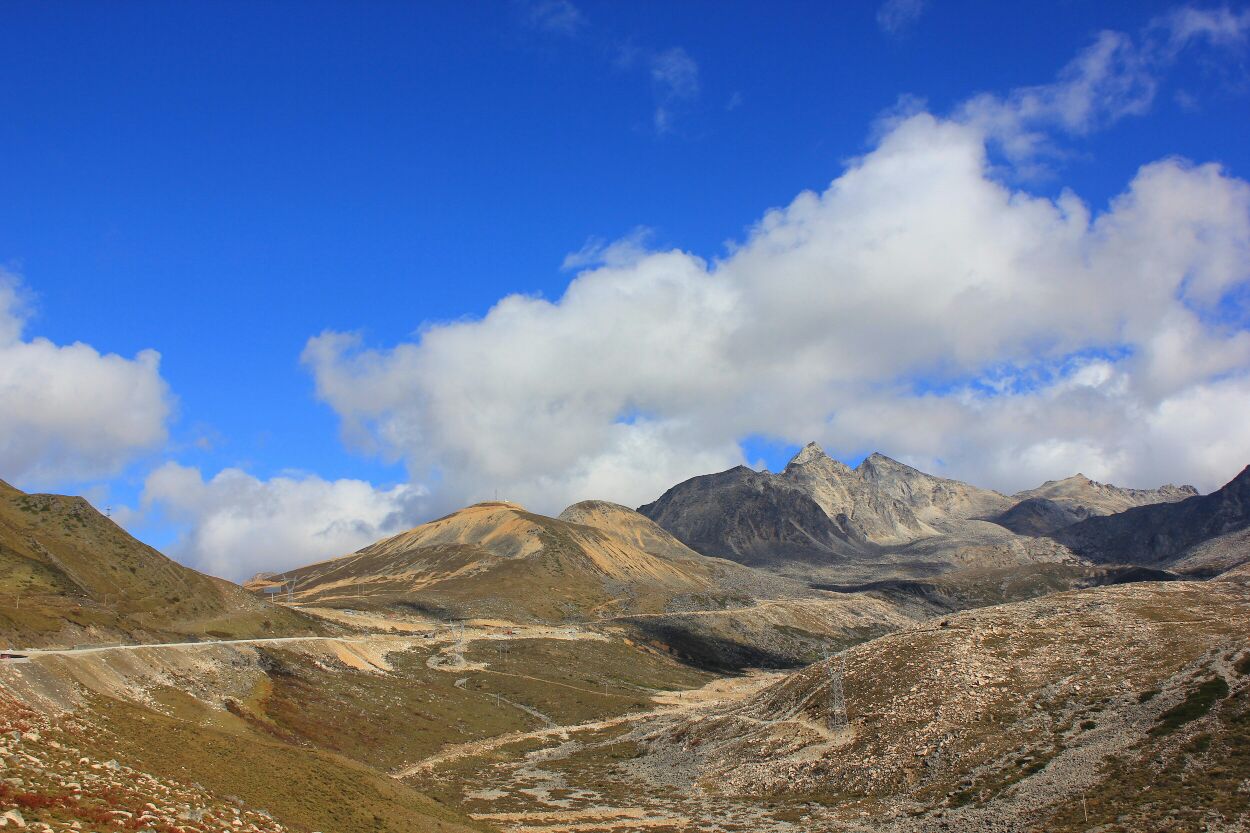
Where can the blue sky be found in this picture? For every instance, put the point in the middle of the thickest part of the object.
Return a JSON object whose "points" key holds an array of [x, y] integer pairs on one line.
{"points": [[221, 183]]}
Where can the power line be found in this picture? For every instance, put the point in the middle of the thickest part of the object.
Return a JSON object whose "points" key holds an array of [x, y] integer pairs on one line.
{"points": [[836, 670]]}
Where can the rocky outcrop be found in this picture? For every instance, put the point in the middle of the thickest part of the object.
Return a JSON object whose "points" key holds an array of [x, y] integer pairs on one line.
{"points": [[821, 519], [819, 514], [937, 501], [1038, 516], [754, 517]]}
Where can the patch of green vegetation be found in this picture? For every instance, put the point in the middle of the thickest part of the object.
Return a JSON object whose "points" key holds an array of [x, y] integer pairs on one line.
{"points": [[1165, 788], [1195, 705]]}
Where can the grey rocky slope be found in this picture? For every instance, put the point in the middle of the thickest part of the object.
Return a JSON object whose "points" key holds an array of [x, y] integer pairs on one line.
{"points": [[818, 506], [821, 520], [1060, 503], [1204, 533]]}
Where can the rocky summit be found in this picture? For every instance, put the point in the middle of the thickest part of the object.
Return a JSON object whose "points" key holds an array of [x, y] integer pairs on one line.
{"points": [[820, 519]]}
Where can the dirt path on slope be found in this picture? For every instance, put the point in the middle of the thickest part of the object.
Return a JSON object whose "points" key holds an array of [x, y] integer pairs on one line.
{"points": [[716, 692]]}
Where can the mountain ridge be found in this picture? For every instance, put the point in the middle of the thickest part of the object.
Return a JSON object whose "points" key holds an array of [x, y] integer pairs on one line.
{"points": [[1163, 533], [881, 519]]}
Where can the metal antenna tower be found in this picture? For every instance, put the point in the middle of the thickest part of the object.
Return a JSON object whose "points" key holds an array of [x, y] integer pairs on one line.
{"points": [[836, 669]]}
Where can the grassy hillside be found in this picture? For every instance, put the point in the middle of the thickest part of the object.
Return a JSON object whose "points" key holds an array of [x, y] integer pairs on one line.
{"points": [[498, 560], [70, 575]]}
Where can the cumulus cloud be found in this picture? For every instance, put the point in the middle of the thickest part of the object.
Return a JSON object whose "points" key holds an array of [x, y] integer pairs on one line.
{"points": [[237, 525], [918, 305], [68, 412], [894, 16]]}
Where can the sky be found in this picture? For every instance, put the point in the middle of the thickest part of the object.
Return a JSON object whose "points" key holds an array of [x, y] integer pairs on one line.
{"points": [[279, 279]]}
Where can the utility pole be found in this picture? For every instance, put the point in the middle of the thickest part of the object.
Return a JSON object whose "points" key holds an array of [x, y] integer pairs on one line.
{"points": [[836, 670]]}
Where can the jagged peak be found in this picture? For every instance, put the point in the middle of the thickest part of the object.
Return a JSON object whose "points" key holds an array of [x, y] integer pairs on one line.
{"points": [[877, 460], [811, 451]]}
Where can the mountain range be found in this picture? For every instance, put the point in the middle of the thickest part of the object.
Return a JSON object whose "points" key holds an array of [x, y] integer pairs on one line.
{"points": [[825, 648], [820, 519]]}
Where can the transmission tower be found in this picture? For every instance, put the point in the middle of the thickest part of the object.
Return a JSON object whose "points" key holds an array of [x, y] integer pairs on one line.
{"points": [[836, 669]]}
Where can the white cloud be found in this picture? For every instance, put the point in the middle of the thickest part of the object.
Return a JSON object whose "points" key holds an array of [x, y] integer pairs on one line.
{"points": [[894, 16], [675, 76], [1187, 25], [1116, 76], [238, 525], [914, 264], [556, 16], [620, 252], [68, 412], [917, 305]]}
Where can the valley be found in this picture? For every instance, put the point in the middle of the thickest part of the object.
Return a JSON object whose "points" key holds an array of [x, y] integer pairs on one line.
{"points": [[501, 670]]}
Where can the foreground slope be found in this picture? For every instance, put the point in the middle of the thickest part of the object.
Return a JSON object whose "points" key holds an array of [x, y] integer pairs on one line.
{"points": [[1136, 697], [306, 734], [68, 574]]}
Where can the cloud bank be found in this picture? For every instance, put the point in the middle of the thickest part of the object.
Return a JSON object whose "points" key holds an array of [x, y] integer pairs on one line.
{"points": [[238, 525], [918, 305], [68, 412]]}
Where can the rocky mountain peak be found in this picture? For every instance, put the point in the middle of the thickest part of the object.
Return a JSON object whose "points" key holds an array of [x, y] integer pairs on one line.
{"points": [[809, 453], [880, 462]]}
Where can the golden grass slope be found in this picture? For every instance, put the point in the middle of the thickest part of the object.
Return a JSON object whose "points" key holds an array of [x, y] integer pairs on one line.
{"points": [[497, 559]]}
